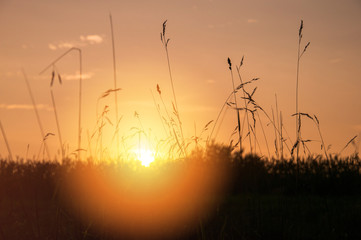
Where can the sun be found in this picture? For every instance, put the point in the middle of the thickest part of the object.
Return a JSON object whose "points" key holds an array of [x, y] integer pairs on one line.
{"points": [[145, 156]]}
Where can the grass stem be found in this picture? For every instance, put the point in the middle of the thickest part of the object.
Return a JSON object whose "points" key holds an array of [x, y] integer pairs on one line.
{"points": [[235, 102], [57, 125], [115, 84], [6, 142], [80, 90], [37, 114]]}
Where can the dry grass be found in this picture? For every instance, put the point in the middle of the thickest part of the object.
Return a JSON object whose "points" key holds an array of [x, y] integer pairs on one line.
{"points": [[37, 116], [52, 64], [244, 102], [115, 86]]}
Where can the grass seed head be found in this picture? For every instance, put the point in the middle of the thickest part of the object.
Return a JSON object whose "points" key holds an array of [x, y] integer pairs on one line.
{"points": [[158, 89], [52, 78], [59, 78], [229, 63], [300, 30]]}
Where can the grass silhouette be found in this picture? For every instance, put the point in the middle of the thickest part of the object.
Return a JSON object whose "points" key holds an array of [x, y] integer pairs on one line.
{"points": [[256, 191]]}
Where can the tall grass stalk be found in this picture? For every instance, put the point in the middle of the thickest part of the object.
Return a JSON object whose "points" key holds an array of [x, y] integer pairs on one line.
{"points": [[218, 117], [115, 84], [165, 42], [256, 142], [347, 144], [101, 123], [221, 121], [276, 136], [171, 124], [281, 137], [297, 78], [278, 124], [245, 104], [237, 109], [158, 110], [37, 114], [298, 116], [89, 146], [80, 91], [315, 119], [272, 121], [6, 142], [57, 125]]}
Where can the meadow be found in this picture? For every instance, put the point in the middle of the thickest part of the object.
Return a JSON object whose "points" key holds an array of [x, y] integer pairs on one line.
{"points": [[260, 199], [189, 188]]}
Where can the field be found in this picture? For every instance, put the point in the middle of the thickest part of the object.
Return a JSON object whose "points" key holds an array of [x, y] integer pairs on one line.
{"points": [[260, 200]]}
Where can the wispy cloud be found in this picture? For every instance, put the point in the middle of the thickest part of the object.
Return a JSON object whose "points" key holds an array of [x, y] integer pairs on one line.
{"points": [[62, 45], [66, 76], [252, 20], [84, 41], [25, 107], [70, 77], [52, 46], [91, 39]]}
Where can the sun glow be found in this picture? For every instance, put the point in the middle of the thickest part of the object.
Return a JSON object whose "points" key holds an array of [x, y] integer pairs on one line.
{"points": [[145, 156], [146, 202]]}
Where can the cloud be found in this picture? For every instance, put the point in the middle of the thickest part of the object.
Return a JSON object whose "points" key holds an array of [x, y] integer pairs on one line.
{"points": [[91, 39], [66, 45], [25, 107], [76, 76], [52, 46], [83, 42], [252, 20], [61, 45]]}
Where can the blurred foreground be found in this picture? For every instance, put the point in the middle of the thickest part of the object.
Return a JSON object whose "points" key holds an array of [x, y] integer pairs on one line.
{"points": [[209, 195]]}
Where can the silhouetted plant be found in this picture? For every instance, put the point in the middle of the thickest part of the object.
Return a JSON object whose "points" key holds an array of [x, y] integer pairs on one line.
{"points": [[52, 64], [165, 41]]}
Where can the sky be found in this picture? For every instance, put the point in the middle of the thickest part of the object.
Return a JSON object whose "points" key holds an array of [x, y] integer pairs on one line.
{"points": [[203, 34]]}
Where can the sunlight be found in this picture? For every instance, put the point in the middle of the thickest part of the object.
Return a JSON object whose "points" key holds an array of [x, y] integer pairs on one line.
{"points": [[145, 156]]}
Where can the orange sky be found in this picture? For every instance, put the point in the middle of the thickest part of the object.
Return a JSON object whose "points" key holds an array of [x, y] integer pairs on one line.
{"points": [[203, 34]]}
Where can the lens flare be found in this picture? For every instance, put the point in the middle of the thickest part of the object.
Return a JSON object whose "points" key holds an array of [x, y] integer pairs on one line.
{"points": [[141, 202]]}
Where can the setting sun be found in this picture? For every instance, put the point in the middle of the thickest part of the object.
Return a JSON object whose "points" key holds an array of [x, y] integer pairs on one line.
{"points": [[145, 156]]}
